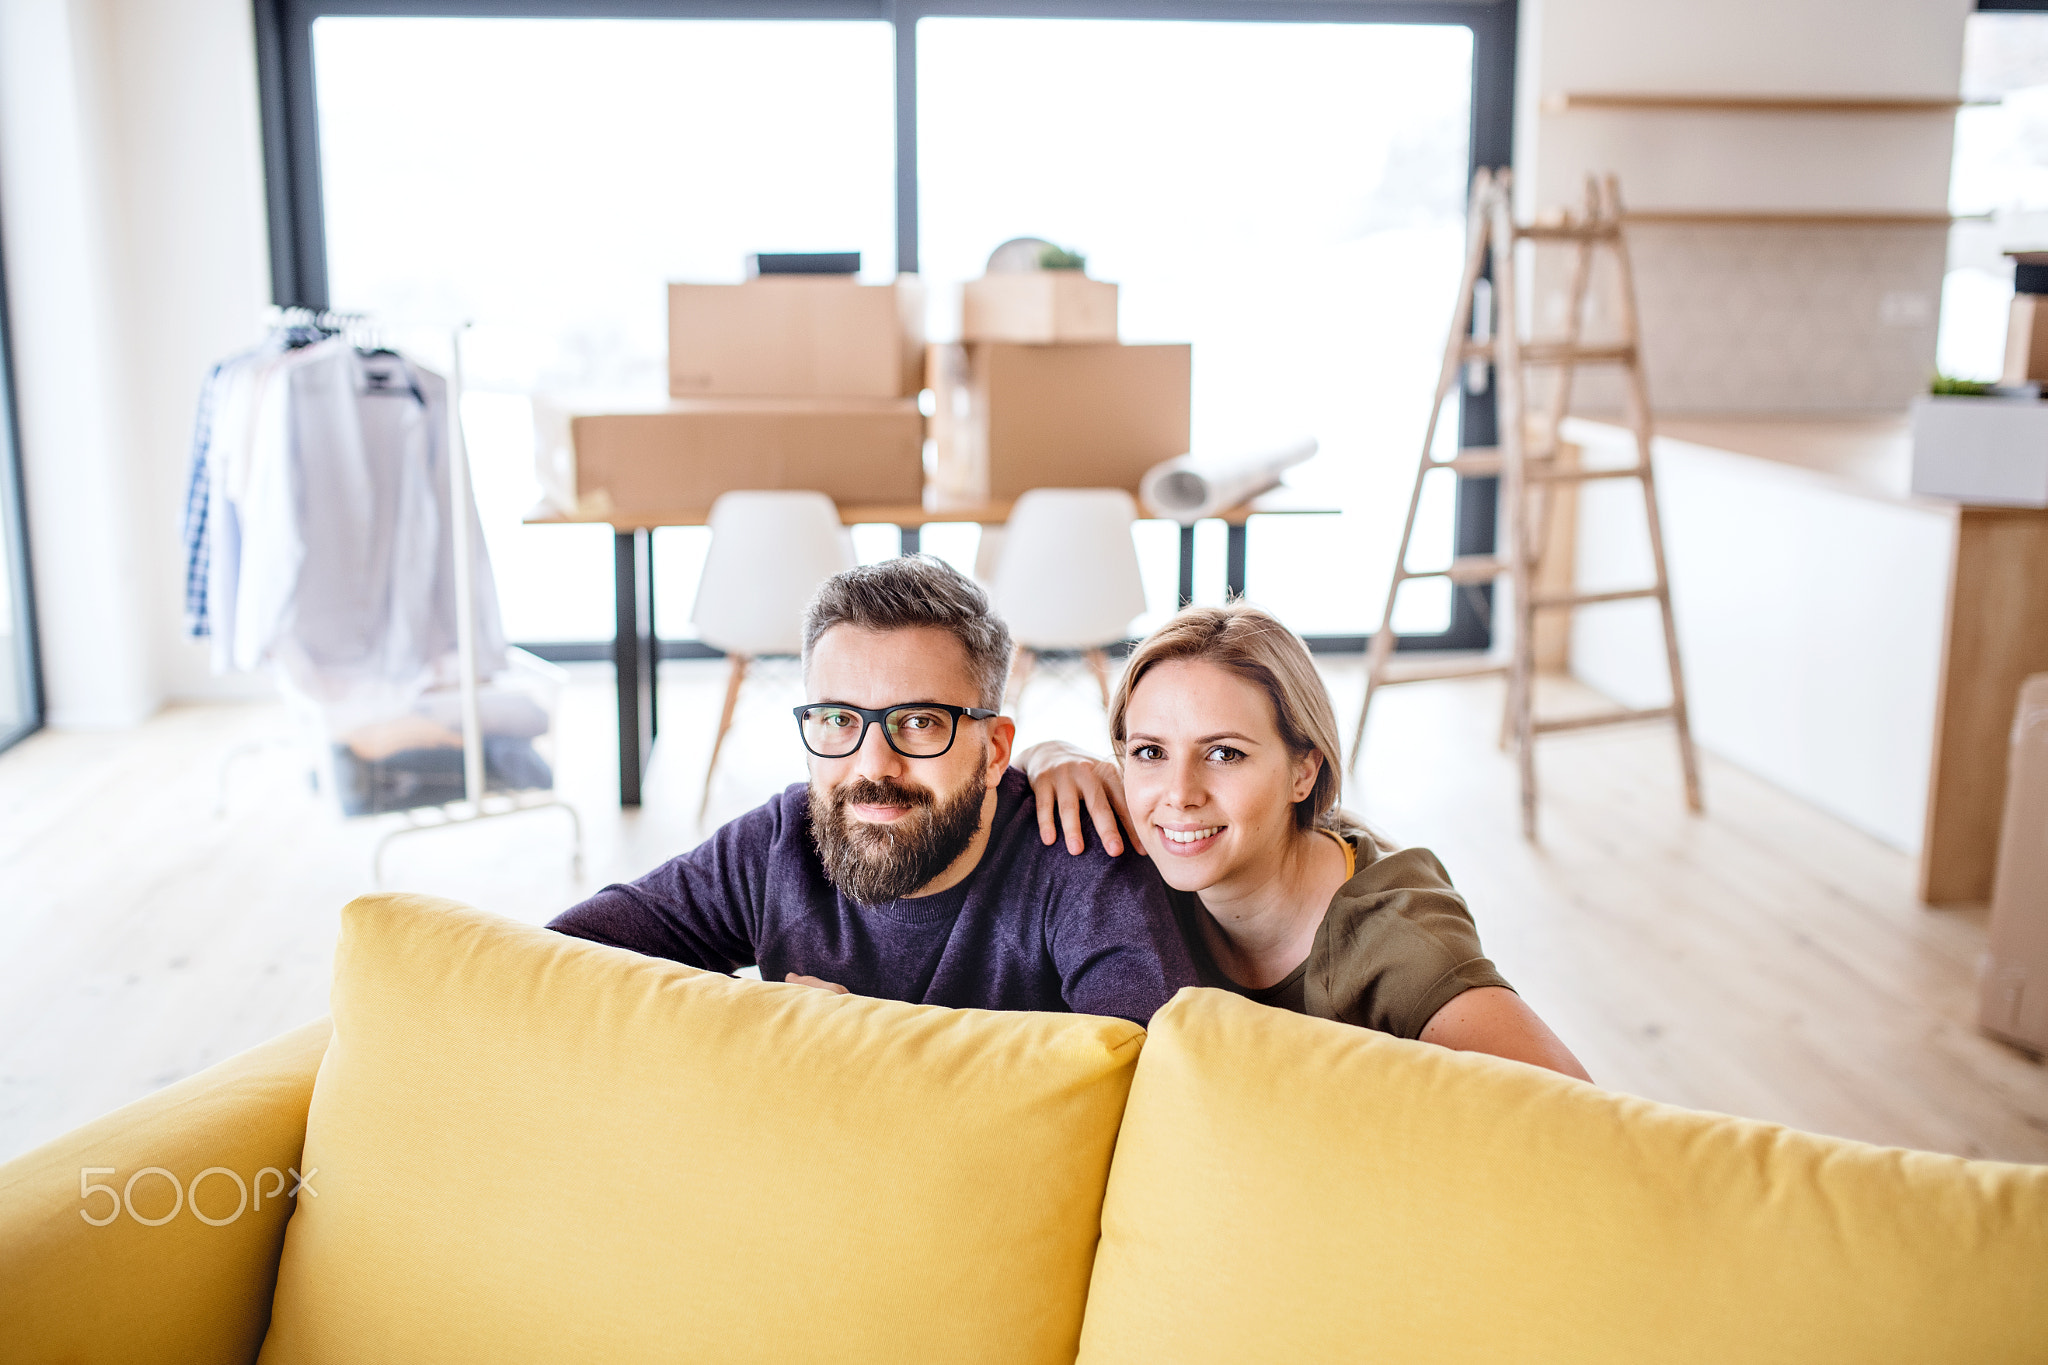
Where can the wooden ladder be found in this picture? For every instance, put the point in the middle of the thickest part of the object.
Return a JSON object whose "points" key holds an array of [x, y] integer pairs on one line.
{"points": [[1527, 476]]}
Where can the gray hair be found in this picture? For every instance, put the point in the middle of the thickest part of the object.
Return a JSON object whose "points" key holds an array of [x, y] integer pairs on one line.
{"points": [[913, 591]]}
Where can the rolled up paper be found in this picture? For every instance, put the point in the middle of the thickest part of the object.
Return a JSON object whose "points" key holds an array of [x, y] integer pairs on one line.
{"points": [[1202, 484]]}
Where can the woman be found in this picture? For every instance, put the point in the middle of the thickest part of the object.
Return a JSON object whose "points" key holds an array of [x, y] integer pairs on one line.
{"points": [[1229, 780]]}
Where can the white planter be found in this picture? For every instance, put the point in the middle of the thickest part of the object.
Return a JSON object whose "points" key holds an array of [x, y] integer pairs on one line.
{"points": [[1989, 451]]}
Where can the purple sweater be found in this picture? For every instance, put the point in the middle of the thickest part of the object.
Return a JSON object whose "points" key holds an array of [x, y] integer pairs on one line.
{"points": [[1031, 928]]}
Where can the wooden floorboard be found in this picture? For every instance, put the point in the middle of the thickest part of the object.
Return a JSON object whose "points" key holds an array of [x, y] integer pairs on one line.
{"points": [[1764, 959]]}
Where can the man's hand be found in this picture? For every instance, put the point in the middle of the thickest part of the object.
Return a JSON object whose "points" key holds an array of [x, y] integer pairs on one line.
{"points": [[797, 979], [1064, 779]]}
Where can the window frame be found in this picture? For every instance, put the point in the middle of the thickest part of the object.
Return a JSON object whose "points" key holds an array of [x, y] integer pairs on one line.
{"points": [[27, 662], [291, 150]]}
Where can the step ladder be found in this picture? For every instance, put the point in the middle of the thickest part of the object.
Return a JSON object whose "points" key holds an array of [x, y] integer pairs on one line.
{"points": [[1529, 463]]}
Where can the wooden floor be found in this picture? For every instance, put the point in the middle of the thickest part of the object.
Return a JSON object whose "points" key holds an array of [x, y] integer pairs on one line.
{"points": [[1764, 960]]}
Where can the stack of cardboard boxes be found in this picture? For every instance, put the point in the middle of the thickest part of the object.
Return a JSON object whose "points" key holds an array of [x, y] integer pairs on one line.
{"points": [[1039, 393], [785, 381], [812, 381]]}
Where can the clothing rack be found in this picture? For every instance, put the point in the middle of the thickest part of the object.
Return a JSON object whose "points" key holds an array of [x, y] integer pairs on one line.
{"points": [[326, 319], [477, 804], [320, 322]]}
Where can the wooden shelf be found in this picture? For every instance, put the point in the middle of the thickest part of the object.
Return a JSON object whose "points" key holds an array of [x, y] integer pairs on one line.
{"points": [[1787, 218], [1575, 101]]}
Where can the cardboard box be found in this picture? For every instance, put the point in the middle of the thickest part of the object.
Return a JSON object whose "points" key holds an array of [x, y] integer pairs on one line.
{"points": [[1010, 418], [2026, 340], [2013, 989], [666, 462], [1038, 306], [796, 336], [1985, 451]]}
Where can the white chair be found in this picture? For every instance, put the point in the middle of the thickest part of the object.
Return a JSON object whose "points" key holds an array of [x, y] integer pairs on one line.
{"points": [[1067, 576], [769, 552]]}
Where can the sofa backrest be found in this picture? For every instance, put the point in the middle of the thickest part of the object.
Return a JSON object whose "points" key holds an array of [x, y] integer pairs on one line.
{"points": [[1287, 1188], [526, 1147], [531, 1147]]}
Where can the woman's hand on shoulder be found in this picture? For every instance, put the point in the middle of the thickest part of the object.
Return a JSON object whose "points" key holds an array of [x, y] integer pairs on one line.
{"points": [[1065, 779]]}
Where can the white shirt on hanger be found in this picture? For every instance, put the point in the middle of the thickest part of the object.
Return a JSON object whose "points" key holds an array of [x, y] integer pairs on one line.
{"points": [[344, 576]]}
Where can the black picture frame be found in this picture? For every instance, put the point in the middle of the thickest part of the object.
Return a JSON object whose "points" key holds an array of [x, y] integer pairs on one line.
{"points": [[291, 149]]}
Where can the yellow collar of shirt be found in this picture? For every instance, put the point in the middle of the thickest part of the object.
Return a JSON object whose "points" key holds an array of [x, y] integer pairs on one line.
{"points": [[1350, 854]]}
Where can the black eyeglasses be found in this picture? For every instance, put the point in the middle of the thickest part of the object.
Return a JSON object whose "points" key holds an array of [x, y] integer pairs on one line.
{"points": [[915, 729]]}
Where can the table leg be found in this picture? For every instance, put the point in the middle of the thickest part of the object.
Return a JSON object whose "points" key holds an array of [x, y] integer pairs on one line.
{"points": [[652, 637], [1187, 565], [1997, 636], [1233, 562], [911, 539], [632, 659]]}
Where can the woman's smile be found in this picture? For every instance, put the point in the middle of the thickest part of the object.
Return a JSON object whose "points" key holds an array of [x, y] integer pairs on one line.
{"points": [[1186, 843]]}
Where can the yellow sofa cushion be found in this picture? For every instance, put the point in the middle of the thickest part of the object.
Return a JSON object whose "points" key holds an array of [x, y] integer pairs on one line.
{"points": [[1291, 1189], [131, 1272], [534, 1148]]}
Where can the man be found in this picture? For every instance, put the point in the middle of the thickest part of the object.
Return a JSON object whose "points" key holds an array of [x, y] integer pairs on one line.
{"points": [[910, 867]]}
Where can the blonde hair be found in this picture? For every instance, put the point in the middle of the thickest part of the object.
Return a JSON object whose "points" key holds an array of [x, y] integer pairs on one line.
{"points": [[1251, 644]]}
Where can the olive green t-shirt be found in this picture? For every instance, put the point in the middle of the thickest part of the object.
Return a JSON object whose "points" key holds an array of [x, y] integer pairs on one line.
{"points": [[1396, 945]]}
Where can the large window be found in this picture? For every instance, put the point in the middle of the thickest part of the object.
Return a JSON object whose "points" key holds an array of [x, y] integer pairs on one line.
{"points": [[1279, 184], [542, 178], [1998, 185], [1287, 197]]}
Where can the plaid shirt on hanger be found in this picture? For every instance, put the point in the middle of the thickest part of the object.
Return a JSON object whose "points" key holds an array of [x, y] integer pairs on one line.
{"points": [[198, 489]]}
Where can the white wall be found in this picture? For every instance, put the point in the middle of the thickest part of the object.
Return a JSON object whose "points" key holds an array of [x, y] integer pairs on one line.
{"points": [[1864, 300], [1758, 47], [198, 258], [1810, 618], [1895, 48], [131, 203], [59, 212]]}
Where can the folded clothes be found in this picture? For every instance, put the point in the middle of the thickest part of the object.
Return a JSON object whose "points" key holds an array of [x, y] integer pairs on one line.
{"points": [[435, 722], [411, 778], [499, 710], [382, 739]]}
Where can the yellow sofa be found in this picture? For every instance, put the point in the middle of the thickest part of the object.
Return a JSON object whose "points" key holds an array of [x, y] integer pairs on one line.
{"points": [[514, 1146]]}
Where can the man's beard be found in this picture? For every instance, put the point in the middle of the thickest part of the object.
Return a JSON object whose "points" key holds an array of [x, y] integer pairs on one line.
{"points": [[874, 864]]}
